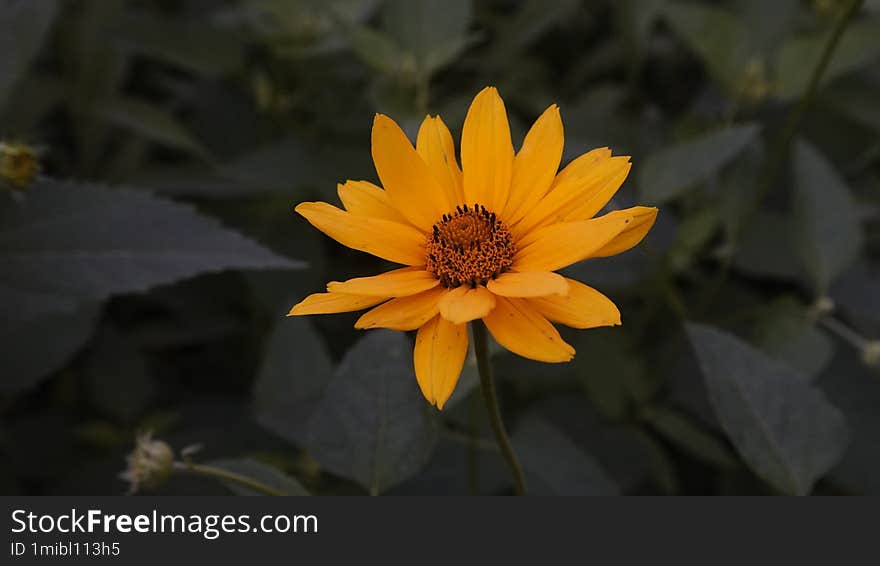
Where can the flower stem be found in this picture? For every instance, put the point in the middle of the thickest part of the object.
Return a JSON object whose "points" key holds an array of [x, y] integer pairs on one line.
{"points": [[487, 384], [473, 454], [227, 476], [793, 121], [845, 333], [778, 151]]}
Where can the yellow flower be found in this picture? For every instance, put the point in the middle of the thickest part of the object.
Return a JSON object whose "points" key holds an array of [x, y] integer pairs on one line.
{"points": [[19, 164], [478, 242]]}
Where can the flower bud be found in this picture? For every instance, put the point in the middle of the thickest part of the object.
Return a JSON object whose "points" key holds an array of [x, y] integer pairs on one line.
{"points": [[149, 464], [871, 353]]}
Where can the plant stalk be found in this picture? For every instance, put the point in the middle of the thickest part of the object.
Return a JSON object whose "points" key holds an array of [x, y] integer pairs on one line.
{"points": [[795, 117], [225, 475], [490, 395]]}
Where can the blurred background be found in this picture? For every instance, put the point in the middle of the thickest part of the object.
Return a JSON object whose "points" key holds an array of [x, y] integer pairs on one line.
{"points": [[152, 151]]}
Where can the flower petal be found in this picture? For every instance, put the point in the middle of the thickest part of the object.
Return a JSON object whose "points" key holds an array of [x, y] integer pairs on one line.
{"points": [[528, 284], [524, 331], [464, 304], [559, 245], [643, 220], [487, 152], [598, 195], [535, 166], [400, 243], [441, 348], [363, 198], [411, 187], [437, 149], [328, 303], [398, 283], [585, 185], [404, 313], [584, 307]]}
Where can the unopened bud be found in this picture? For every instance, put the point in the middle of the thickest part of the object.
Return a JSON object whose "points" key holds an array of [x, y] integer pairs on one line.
{"points": [[823, 306], [871, 353], [149, 464]]}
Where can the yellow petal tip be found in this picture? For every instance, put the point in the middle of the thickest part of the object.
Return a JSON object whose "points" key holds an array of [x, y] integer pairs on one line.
{"points": [[302, 208], [293, 311]]}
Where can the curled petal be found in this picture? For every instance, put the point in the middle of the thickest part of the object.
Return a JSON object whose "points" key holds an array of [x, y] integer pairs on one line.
{"points": [[635, 232], [464, 304], [528, 284]]}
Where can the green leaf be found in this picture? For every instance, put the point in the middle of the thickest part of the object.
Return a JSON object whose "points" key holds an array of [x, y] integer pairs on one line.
{"points": [[294, 162], [265, 474], [68, 243], [766, 247], [694, 233], [737, 189], [795, 61], [195, 46], [432, 31], [34, 349], [667, 173], [855, 101], [23, 28], [375, 48], [445, 53], [717, 36], [35, 96], [662, 467], [829, 234], [768, 23], [856, 292], [117, 377], [532, 20], [855, 388], [612, 375], [635, 19], [784, 428], [152, 123], [373, 425], [788, 333], [554, 465], [295, 370], [691, 438]]}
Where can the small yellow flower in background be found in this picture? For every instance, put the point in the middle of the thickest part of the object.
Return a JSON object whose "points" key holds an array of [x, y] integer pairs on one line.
{"points": [[754, 86], [828, 9], [19, 164], [480, 241]]}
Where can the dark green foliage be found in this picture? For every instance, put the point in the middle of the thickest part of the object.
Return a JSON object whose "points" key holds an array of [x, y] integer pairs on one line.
{"points": [[146, 274]]}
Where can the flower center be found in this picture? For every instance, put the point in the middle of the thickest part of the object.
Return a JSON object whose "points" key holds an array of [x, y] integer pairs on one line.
{"points": [[469, 247]]}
